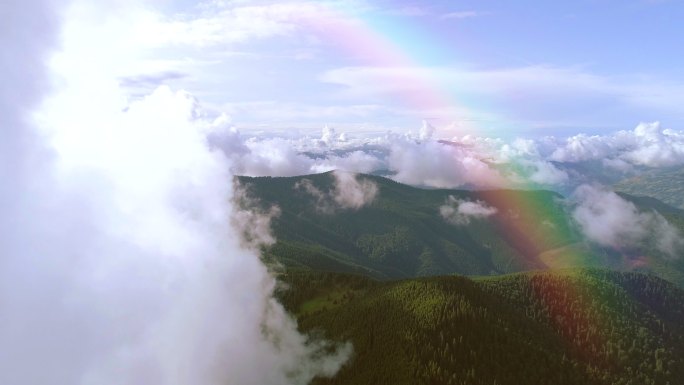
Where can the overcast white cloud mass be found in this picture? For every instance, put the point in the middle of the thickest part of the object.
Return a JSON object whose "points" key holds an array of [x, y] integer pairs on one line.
{"points": [[120, 263], [461, 212], [609, 220]]}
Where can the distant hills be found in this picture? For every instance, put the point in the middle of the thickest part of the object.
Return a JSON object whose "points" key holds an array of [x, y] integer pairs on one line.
{"points": [[578, 326], [665, 184], [401, 234], [379, 264]]}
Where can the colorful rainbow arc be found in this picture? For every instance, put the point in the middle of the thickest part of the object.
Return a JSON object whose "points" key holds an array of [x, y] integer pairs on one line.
{"points": [[377, 48], [398, 75]]}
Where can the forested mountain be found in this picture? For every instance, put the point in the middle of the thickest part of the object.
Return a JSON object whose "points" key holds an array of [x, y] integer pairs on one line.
{"points": [[665, 184], [378, 271], [401, 233], [572, 326]]}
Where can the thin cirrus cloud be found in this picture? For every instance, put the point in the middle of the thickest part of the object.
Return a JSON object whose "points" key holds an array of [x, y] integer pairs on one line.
{"points": [[537, 95], [217, 45], [461, 15]]}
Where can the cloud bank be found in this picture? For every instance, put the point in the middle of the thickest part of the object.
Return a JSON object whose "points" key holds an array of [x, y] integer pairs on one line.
{"points": [[647, 145], [422, 159]]}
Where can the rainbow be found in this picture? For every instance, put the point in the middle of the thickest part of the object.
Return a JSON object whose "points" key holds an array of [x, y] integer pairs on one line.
{"points": [[382, 43], [379, 42]]}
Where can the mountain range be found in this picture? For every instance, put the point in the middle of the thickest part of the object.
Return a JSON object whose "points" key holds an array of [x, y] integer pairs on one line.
{"points": [[401, 233], [512, 294]]}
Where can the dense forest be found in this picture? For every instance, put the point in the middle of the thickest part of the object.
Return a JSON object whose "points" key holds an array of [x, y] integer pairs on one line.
{"points": [[496, 300], [574, 326]]}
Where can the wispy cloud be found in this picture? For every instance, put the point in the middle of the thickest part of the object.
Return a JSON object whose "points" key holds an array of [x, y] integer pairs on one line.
{"points": [[461, 212], [559, 95], [461, 15], [151, 81], [413, 10], [350, 192]]}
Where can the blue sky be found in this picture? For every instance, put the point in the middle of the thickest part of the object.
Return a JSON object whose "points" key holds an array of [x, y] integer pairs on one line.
{"points": [[501, 67]]}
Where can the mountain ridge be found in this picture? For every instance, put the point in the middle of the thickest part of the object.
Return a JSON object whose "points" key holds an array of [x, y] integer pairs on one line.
{"points": [[401, 234]]}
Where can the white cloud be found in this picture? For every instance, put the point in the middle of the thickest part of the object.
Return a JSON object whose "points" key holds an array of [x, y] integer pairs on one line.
{"points": [[328, 136], [461, 212], [251, 221], [323, 202], [552, 95], [582, 147], [545, 173], [356, 161], [410, 11], [647, 145], [426, 131], [530, 164], [227, 23], [352, 192], [618, 165], [434, 164], [120, 261], [461, 15], [421, 158], [252, 156], [609, 220], [349, 192]]}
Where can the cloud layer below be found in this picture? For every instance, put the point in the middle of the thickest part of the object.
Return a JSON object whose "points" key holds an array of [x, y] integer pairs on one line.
{"points": [[418, 158]]}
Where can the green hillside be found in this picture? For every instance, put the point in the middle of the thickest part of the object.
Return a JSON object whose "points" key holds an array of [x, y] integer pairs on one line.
{"points": [[565, 327], [666, 185], [402, 235]]}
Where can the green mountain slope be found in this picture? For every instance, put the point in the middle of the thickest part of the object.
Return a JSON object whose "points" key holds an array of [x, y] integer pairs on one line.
{"points": [[565, 327], [666, 185], [402, 235]]}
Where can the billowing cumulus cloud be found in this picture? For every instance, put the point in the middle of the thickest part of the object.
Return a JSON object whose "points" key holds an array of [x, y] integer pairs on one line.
{"points": [[120, 262], [421, 158], [530, 165], [435, 164], [609, 220], [274, 156], [426, 131], [461, 212], [647, 145]]}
